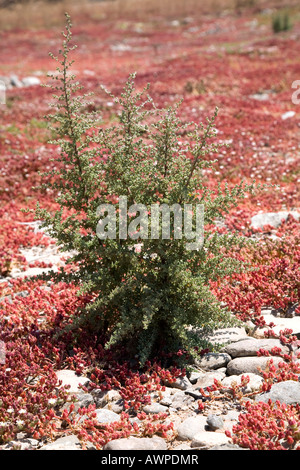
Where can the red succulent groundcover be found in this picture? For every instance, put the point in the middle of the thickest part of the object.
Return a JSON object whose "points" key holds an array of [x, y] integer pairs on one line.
{"points": [[234, 62]]}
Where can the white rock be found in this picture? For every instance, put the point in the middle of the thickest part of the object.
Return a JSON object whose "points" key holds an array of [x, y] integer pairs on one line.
{"points": [[64, 443], [250, 347], [31, 81], [69, 377], [213, 361], [209, 439], [288, 115], [155, 408], [254, 384], [137, 443], [207, 379], [106, 416], [226, 335], [280, 323], [245, 365], [271, 218], [260, 96], [190, 427]]}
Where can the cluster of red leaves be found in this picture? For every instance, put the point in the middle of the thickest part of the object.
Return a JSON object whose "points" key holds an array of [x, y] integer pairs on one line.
{"points": [[268, 426], [272, 282], [134, 387], [31, 315], [89, 430]]}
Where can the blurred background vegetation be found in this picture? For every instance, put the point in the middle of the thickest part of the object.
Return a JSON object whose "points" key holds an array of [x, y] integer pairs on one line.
{"points": [[47, 13]]}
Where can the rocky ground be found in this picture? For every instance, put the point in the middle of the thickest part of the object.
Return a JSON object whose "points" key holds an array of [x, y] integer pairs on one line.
{"points": [[194, 429]]}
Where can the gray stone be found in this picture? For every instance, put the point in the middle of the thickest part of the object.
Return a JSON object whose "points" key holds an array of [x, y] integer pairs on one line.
{"points": [[250, 347], [135, 443], [227, 447], [84, 400], [166, 400], [155, 408], [190, 427], [106, 416], [243, 365], [182, 401], [182, 383], [116, 406], [14, 81], [64, 443], [287, 392], [207, 379], [104, 398], [25, 443], [213, 360], [182, 447], [215, 422], [227, 335], [274, 219]]}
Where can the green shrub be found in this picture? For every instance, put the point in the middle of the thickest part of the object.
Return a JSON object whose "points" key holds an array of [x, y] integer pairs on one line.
{"points": [[281, 22], [151, 299]]}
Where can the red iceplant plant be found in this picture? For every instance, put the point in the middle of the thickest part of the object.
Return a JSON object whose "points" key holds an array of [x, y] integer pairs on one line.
{"points": [[274, 280], [85, 425], [217, 391], [30, 394], [268, 426], [29, 391], [266, 147], [134, 387], [289, 368]]}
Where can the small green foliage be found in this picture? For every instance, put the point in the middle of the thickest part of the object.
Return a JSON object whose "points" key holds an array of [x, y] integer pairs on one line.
{"points": [[150, 299], [281, 22]]}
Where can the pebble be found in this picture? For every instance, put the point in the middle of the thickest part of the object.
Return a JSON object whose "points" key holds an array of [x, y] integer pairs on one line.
{"points": [[31, 81], [106, 416], [244, 365], [209, 439], [70, 379], [13, 81], [282, 323], [255, 381], [287, 392], [70, 442], [215, 422], [213, 361], [155, 408], [274, 219], [250, 347], [207, 379], [288, 115], [135, 443], [190, 427]]}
